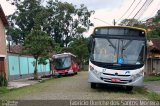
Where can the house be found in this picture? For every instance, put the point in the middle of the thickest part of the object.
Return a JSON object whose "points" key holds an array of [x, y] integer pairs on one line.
{"points": [[15, 49], [150, 24], [153, 58], [3, 48], [149, 21]]}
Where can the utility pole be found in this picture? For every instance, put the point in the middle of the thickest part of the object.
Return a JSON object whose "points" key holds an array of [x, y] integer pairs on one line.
{"points": [[114, 22]]}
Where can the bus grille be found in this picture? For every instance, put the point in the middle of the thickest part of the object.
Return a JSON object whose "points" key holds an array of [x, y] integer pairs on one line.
{"points": [[121, 81], [116, 75]]}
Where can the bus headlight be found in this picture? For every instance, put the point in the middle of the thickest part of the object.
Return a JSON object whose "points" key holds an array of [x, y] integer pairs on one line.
{"points": [[70, 71], [95, 71], [134, 77], [91, 68]]}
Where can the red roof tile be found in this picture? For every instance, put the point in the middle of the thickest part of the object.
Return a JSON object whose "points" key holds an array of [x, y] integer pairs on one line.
{"points": [[17, 49]]}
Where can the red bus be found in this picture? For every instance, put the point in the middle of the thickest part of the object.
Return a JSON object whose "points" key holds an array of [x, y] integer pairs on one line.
{"points": [[64, 64]]}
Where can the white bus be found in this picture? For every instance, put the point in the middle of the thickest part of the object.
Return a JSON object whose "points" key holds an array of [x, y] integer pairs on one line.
{"points": [[117, 56]]}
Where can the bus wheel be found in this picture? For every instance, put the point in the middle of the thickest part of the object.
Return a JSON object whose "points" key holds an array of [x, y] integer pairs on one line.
{"points": [[76, 73], [66, 74], [93, 85], [59, 76], [129, 88]]}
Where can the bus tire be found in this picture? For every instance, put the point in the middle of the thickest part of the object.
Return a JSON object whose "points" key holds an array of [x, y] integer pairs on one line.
{"points": [[59, 76], [93, 85], [76, 73], [129, 88], [66, 74]]}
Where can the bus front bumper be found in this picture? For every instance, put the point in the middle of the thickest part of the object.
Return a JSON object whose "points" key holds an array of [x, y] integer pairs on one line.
{"points": [[92, 78], [68, 72]]}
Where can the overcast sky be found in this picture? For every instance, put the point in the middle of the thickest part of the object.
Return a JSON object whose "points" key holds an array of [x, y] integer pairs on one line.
{"points": [[105, 10]]}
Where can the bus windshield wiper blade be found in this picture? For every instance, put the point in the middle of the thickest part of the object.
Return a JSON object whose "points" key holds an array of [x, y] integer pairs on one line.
{"points": [[111, 44], [126, 45]]}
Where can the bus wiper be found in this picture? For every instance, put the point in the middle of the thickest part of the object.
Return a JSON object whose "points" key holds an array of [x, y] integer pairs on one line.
{"points": [[111, 44], [126, 45]]}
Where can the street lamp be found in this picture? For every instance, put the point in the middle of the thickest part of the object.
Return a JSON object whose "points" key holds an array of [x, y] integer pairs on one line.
{"points": [[102, 21]]}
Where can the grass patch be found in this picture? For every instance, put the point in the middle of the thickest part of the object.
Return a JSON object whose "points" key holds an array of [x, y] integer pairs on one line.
{"points": [[10, 94], [3, 90], [140, 90], [153, 96], [151, 78], [149, 95]]}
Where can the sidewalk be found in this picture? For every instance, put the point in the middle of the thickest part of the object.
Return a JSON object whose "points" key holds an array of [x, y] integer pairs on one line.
{"points": [[23, 82]]}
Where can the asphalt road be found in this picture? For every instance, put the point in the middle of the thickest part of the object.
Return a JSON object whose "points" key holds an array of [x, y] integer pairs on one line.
{"points": [[75, 87]]}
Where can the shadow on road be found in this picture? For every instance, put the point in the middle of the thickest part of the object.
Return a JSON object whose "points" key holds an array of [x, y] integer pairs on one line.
{"points": [[111, 89]]}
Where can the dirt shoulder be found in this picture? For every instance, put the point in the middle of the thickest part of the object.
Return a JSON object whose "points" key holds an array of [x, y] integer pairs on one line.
{"points": [[153, 86]]}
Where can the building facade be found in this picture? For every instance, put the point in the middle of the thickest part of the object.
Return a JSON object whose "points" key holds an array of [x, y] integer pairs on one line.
{"points": [[153, 58], [3, 47]]}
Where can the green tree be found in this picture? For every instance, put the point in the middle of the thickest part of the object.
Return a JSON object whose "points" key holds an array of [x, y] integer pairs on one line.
{"points": [[38, 44], [22, 21], [80, 49], [3, 79], [66, 21], [132, 22], [61, 20], [155, 33], [155, 27], [157, 17], [43, 60]]}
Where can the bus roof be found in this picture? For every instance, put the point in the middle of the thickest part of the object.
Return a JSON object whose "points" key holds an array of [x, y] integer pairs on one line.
{"points": [[120, 27], [63, 55]]}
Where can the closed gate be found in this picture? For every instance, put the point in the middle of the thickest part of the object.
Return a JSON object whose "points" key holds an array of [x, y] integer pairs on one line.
{"points": [[2, 68]]}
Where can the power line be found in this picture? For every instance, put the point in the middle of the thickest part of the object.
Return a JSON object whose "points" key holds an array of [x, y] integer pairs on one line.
{"points": [[126, 11], [155, 10], [142, 9], [134, 8], [102, 21]]}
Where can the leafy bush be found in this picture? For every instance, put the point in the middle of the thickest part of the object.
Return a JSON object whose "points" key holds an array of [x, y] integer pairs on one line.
{"points": [[3, 80]]}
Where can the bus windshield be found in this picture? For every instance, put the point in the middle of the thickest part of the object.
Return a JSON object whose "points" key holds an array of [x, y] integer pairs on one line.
{"points": [[62, 63], [107, 50]]}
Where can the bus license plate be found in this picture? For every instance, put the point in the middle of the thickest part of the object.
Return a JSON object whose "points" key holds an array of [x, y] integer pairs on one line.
{"points": [[115, 80]]}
